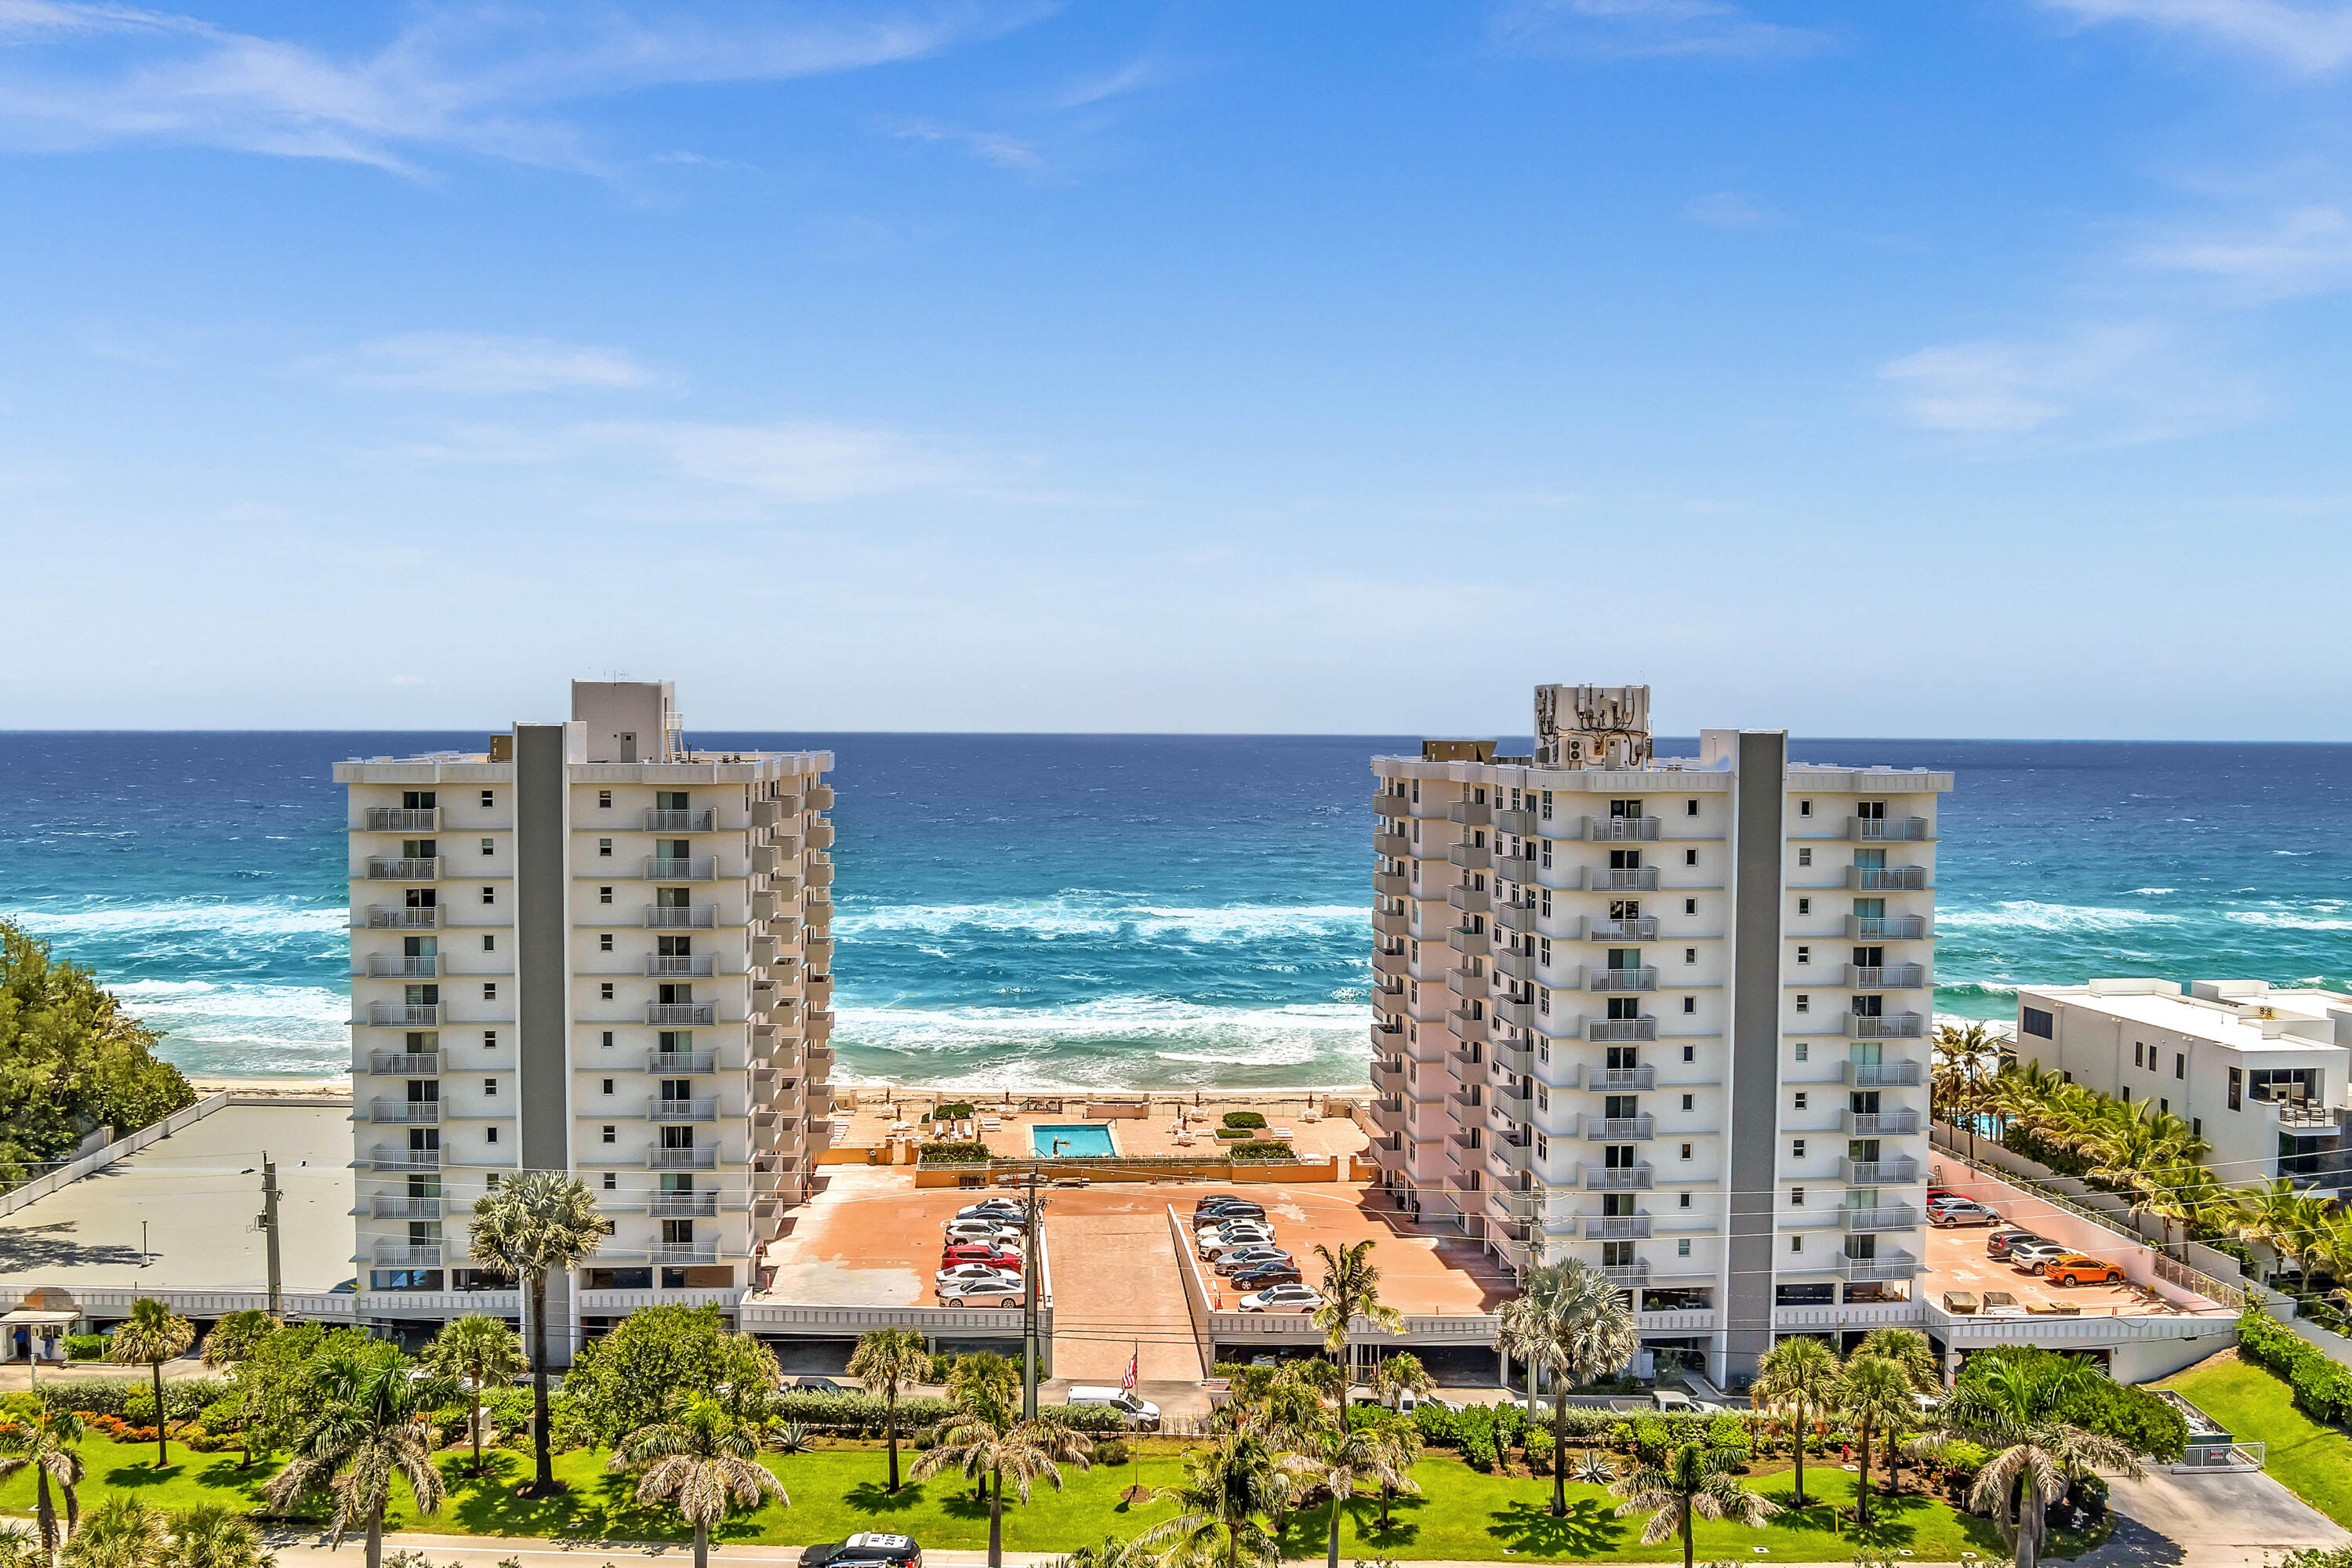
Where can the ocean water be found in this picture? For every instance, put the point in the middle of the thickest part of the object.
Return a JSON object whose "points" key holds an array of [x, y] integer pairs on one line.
{"points": [[1135, 911]]}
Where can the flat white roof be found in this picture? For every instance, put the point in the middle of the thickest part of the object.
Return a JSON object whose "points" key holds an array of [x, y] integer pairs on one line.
{"points": [[2218, 1022]]}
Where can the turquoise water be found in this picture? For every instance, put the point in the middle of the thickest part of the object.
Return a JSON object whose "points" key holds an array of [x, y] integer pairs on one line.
{"points": [[1128, 911], [1078, 1137]]}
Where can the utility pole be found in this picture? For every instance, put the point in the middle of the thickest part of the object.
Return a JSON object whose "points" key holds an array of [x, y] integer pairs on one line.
{"points": [[269, 1232], [1029, 1305]]}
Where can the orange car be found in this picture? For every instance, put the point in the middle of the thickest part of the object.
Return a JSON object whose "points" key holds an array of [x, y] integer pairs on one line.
{"points": [[2081, 1269]]}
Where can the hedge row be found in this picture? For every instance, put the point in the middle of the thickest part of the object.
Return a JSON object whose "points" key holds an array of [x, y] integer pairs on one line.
{"points": [[2322, 1389], [862, 1415], [955, 1153]]}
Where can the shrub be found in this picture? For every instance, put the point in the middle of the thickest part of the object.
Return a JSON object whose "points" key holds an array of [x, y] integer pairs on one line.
{"points": [[1652, 1437], [1539, 1448], [1233, 1134], [1727, 1433], [955, 1153], [1244, 1119], [1475, 1436], [85, 1347], [1439, 1428], [1255, 1150], [1110, 1452], [2130, 1415], [955, 1112]]}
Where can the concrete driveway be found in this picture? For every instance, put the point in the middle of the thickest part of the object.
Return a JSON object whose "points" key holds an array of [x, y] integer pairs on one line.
{"points": [[2209, 1519]]}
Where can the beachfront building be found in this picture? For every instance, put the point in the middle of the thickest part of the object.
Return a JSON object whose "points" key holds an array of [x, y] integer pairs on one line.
{"points": [[593, 949], [2260, 1073], [1664, 1015]]}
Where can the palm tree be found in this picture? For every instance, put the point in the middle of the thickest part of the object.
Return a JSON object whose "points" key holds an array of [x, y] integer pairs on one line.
{"points": [[1398, 1437], [154, 1336], [1225, 1488], [477, 1354], [19, 1548], [699, 1464], [544, 1224], [1908, 1348], [123, 1531], [1797, 1379], [888, 1360], [1352, 1290], [373, 1423], [1692, 1481], [234, 1336], [1112, 1553], [988, 1441], [2007, 1411], [49, 1443], [2277, 1215], [1402, 1373], [1874, 1393], [1569, 1320], [1957, 1082], [214, 1537], [1336, 1458]]}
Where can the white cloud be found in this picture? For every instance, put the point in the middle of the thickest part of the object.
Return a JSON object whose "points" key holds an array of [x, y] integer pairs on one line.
{"points": [[795, 462], [484, 78], [408, 681], [1633, 28], [1729, 209], [2304, 251], [2313, 39], [1132, 77], [2096, 386], [1004, 152], [461, 362]]}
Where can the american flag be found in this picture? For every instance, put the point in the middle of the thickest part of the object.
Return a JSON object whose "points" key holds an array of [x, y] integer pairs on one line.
{"points": [[1127, 1382]]}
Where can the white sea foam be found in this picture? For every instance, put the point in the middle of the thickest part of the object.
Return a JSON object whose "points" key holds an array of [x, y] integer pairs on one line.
{"points": [[2027, 914], [1114, 1042], [2276, 919], [1077, 916], [225, 921]]}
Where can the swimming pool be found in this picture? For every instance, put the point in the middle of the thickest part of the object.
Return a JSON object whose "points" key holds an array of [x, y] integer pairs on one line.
{"points": [[1080, 1138]]}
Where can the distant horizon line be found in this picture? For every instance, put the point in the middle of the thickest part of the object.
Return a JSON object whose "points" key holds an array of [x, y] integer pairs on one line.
{"points": [[1242, 735]]}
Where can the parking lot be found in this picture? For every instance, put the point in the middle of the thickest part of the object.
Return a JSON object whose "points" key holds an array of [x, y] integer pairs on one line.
{"points": [[1955, 1260]]}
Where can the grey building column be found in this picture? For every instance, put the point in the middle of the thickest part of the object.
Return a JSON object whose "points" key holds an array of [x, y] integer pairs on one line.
{"points": [[1758, 843], [543, 979]]}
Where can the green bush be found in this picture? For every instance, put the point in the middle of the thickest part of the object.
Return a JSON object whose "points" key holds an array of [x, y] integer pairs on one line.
{"points": [[1233, 1134], [1244, 1119], [955, 1153], [2322, 1389], [1255, 1150], [86, 1347], [1539, 1448], [1439, 1428], [2130, 1415], [951, 1112], [1112, 1451], [99, 1396]]}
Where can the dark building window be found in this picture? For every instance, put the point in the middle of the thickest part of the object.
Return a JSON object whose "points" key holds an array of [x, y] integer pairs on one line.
{"points": [[2036, 1022]]}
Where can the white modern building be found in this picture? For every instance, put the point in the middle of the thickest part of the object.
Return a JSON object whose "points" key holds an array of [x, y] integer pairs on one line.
{"points": [[1667, 1015], [590, 948], [2261, 1073]]}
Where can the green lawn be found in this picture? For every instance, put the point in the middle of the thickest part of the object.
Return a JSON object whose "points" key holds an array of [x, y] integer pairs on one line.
{"points": [[1462, 1513], [2313, 1462]]}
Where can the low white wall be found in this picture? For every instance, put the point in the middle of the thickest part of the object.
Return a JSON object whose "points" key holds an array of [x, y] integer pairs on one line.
{"points": [[64, 1175]]}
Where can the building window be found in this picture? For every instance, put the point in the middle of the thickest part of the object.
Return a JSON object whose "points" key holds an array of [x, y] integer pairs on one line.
{"points": [[2180, 1066], [489, 1040], [1690, 906], [1801, 1099], [611, 1182], [1543, 951], [2037, 1023], [608, 1086], [1797, 1149], [604, 849], [1796, 1197], [2197, 1127], [1803, 1049], [608, 1039], [1687, 1102], [1686, 1203], [1690, 1003], [1690, 856], [1805, 1005], [1543, 999], [2164, 1106], [604, 941], [494, 1134], [1804, 906], [1690, 955], [489, 990], [489, 847], [603, 895], [1690, 1052], [605, 992], [612, 1135], [2127, 1094], [2237, 1082], [1804, 857], [1682, 1246], [1690, 809], [1686, 1151], [486, 799], [490, 1088], [2135, 1050], [1804, 954], [1805, 808], [1797, 1244], [489, 895], [489, 944], [604, 800]]}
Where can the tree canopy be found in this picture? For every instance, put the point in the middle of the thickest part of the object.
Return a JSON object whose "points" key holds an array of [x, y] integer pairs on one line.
{"points": [[629, 1379], [71, 1060]]}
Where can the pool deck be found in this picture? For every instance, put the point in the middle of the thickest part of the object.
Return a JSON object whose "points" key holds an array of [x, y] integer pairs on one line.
{"points": [[870, 1122]]}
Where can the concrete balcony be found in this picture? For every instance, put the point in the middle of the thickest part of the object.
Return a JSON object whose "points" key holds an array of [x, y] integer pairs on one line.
{"points": [[1887, 879], [402, 869], [1643, 930], [397, 1255], [1469, 944], [667, 917], [1886, 1217], [1466, 1028], [681, 1015], [1517, 1014], [401, 966], [1391, 885], [397, 1157], [1618, 1178], [681, 965], [1513, 916], [1623, 879], [1519, 1208], [1878, 1172], [1521, 822], [1626, 1273], [1387, 1078], [1513, 1155], [1617, 1227], [817, 797], [660, 821], [701, 1157], [1621, 829], [405, 1112], [402, 819], [1470, 901], [683, 1252], [1388, 924], [1886, 976], [1617, 1031], [1887, 829], [1516, 1059], [1644, 978], [1621, 1080], [1885, 1266], [681, 1062], [1470, 814], [664, 869], [1387, 804], [1464, 1181], [1388, 1040], [404, 1063], [1471, 856], [1879, 1124], [403, 1207], [1885, 1026], [1464, 983], [1880, 1075], [1391, 846], [1618, 1129], [382, 919], [683, 1206], [1886, 928], [1519, 966], [1389, 1117], [403, 1016], [1518, 1105]]}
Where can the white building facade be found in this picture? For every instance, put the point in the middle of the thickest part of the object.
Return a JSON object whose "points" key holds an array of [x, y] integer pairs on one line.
{"points": [[2260, 1073], [587, 948], [1667, 1016]]}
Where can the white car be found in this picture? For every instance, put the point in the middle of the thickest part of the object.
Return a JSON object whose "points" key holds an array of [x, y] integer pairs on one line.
{"points": [[1239, 1230], [1002, 1209], [1284, 1299], [1001, 1292], [982, 1230], [1249, 1257], [965, 1273], [1217, 1246]]}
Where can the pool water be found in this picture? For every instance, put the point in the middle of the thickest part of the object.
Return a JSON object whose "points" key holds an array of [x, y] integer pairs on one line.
{"points": [[1080, 1138]]}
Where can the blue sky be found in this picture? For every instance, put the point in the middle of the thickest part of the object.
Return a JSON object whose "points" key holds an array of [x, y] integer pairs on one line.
{"points": [[1947, 369]]}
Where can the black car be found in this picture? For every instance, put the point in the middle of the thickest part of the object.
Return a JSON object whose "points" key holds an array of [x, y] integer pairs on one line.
{"points": [[859, 1550], [1997, 1244], [1251, 1281], [1214, 1199], [1237, 1209]]}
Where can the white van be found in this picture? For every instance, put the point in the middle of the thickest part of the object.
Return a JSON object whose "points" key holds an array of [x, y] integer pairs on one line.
{"points": [[1142, 1414]]}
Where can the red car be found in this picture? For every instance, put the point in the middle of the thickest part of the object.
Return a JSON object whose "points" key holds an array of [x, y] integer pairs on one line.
{"points": [[980, 1252]]}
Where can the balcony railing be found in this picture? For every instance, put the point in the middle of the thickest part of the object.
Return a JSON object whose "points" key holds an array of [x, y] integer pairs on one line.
{"points": [[667, 917], [405, 1014], [1617, 1227], [1388, 1116], [1391, 846], [1521, 822], [404, 1063], [1511, 1102], [1508, 916], [1621, 829], [382, 919], [1465, 984], [1626, 1273], [404, 819], [1881, 1075], [677, 1012], [683, 1206], [1886, 928], [1644, 978], [401, 868], [407, 1112], [660, 821], [1520, 1208], [1623, 879], [662, 868], [1516, 1059], [1471, 943], [1887, 879], [394, 1157], [1621, 1080], [1517, 1014], [701, 1157], [1512, 1154], [665, 965], [1617, 1129], [1470, 901], [683, 1252], [1470, 812], [1886, 976], [395, 1255], [1613, 1030], [1471, 856], [1880, 1124], [1886, 1217], [1618, 1178], [1885, 1266], [1518, 965], [401, 966], [405, 1207], [1386, 802], [682, 1109], [681, 1061], [1388, 924], [1391, 885], [1643, 930], [1877, 1172], [1467, 1029], [1886, 830], [1885, 1026]]}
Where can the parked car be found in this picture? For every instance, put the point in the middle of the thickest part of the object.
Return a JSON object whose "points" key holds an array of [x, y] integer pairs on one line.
{"points": [[1217, 1246], [1222, 1212], [816, 1386], [1934, 1193], [1243, 1257], [1258, 1279], [1283, 1299], [1007, 1257], [1002, 1291], [893, 1551], [1233, 1229], [1211, 1200], [2081, 1269], [2033, 1255], [982, 1230], [1967, 1211], [1009, 1210], [1998, 1244], [1142, 1414], [964, 1272]]}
